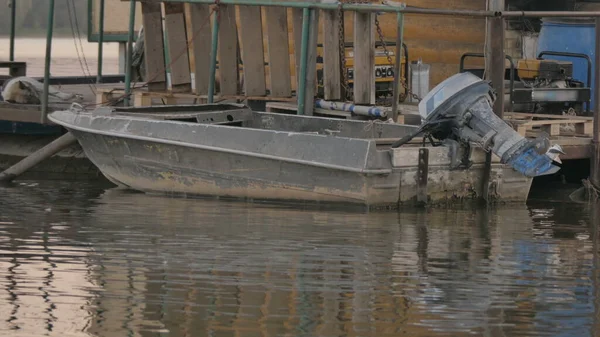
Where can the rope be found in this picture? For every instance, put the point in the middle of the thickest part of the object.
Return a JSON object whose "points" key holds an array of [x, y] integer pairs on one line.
{"points": [[173, 60], [79, 58]]}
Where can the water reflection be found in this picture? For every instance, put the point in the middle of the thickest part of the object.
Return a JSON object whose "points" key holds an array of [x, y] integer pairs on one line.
{"points": [[91, 262]]}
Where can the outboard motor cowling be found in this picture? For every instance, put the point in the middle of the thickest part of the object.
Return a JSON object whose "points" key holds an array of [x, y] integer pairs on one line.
{"points": [[461, 108]]}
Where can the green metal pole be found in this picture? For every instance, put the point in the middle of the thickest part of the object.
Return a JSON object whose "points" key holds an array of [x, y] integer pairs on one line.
{"points": [[306, 14], [213, 59], [13, 16], [397, 65], [49, 31], [129, 51], [100, 41]]}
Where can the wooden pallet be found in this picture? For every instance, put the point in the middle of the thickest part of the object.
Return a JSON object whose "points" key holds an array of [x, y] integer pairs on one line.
{"points": [[147, 98], [551, 124]]}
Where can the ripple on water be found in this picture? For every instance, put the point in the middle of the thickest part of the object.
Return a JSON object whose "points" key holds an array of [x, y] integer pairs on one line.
{"points": [[108, 262]]}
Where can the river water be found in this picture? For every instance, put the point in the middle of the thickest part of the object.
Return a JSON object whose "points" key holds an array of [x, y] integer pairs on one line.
{"points": [[70, 57], [83, 259]]}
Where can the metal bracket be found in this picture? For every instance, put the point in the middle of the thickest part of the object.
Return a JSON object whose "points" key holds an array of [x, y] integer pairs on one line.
{"points": [[422, 175]]}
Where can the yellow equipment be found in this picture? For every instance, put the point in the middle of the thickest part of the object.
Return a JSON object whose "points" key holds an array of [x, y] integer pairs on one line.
{"points": [[531, 69], [384, 71]]}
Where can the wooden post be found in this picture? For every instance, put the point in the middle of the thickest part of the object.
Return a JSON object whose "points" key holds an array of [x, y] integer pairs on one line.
{"points": [[228, 50], [251, 36], [38, 156], [311, 63], [154, 47], [331, 56], [176, 35], [364, 58], [278, 49], [595, 169], [201, 46], [495, 69]]}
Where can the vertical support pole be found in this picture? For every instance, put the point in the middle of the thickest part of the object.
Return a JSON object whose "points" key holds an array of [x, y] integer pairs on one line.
{"points": [[306, 13], [422, 176], [311, 63], [595, 277], [129, 51], [595, 169], [495, 69], [100, 42], [49, 31], [213, 58], [13, 19], [398, 65]]}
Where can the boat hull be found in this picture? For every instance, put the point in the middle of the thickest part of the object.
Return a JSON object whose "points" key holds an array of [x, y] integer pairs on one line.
{"points": [[163, 168], [280, 157]]}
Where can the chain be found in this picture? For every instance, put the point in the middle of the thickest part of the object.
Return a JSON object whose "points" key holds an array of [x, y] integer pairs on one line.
{"points": [[389, 58], [342, 46]]}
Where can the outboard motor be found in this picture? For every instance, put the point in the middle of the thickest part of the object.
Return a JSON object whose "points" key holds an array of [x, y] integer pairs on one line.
{"points": [[460, 109]]}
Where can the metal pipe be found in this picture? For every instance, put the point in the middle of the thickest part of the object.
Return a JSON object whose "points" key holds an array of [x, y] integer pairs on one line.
{"points": [[397, 73], [13, 17], [399, 8], [361, 110], [306, 14], [570, 14], [595, 160], [100, 41], [213, 58], [49, 31], [129, 52], [395, 9]]}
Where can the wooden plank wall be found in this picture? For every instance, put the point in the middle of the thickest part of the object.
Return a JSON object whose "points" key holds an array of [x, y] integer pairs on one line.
{"points": [[437, 40]]}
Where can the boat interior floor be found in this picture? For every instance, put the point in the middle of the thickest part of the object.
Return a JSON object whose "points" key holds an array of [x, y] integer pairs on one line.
{"points": [[240, 116]]}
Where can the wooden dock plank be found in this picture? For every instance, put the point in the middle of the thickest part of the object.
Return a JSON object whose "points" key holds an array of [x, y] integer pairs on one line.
{"points": [[251, 37], [178, 49], [364, 58], [331, 56], [201, 46], [154, 55], [228, 51], [278, 49]]}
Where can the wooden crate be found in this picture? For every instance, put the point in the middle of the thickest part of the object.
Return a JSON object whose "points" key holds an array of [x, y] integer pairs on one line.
{"points": [[551, 124]]}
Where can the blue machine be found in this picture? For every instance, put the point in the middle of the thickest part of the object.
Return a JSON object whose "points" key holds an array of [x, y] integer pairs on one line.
{"points": [[570, 35]]}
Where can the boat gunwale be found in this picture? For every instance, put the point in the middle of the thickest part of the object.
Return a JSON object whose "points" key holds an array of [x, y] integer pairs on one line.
{"points": [[214, 148]]}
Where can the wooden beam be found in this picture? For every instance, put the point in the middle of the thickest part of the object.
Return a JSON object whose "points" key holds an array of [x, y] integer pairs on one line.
{"points": [[311, 64], [331, 56], [278, 49], [178, 49], [201, 44], [228, 51], [364, 58], [154, 55], [252, 50]]}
